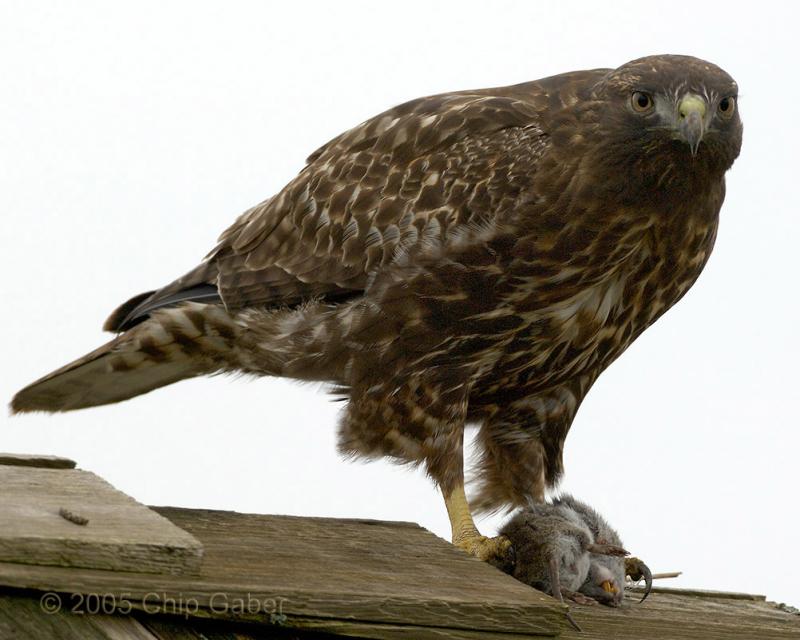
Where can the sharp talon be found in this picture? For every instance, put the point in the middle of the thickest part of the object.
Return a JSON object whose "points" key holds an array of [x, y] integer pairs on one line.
{"points": [[493, 550], [496, 551], [638, 570]]}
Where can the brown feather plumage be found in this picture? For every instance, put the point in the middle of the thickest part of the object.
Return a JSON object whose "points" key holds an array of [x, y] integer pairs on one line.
{"points": [[474, 256]]}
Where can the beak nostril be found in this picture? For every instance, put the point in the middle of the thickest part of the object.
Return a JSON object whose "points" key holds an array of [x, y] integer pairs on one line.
{"points": [[691, 113], [690, 104]]}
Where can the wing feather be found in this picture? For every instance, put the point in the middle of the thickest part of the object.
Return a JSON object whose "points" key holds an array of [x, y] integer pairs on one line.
{"points": [[403, 177]]}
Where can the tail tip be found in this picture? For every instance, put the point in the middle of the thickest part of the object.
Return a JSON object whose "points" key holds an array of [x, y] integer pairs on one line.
{"points": [[21, 404], [33, 399]]}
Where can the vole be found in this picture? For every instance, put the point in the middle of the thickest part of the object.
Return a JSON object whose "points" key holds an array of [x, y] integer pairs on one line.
{"points": [[569, 550], [606, 580]]}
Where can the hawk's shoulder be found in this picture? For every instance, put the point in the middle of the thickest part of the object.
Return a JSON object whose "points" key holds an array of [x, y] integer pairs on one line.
{"points": [[422, 167]]}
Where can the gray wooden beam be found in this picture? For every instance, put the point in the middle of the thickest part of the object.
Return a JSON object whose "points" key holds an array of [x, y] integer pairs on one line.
{"points": [[76, 519]]}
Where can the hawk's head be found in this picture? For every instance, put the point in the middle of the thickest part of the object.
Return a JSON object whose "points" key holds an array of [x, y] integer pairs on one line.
{"points": [[668, 117]]}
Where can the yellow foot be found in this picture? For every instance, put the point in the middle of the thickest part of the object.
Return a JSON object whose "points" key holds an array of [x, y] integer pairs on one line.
{"points": [[497, 550]]}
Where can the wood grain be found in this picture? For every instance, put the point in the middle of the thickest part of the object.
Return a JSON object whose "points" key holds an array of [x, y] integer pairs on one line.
{"points": [[391, 581], [362, 577], [21, 618], [120, 534], [683, 614]]}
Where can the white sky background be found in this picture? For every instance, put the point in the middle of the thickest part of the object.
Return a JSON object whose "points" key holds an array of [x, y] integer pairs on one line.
{"points": [[132, 133]]}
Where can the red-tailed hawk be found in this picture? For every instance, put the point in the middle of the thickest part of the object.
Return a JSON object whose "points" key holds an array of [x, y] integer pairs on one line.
{"points": [[479, 256]]}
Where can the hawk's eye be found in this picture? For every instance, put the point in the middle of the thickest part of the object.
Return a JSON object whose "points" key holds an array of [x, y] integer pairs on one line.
{"points": [[727, 106], [641, 102]]}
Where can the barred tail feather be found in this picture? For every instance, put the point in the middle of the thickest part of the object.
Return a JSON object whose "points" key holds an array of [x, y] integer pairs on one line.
{"points": [[173, 344]]}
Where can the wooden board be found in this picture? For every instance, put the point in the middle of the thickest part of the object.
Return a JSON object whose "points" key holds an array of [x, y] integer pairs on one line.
{"points": [[360, 578], [22, 618], [684, 614], [28, 460], [676, 616], [120, 535], [197, 629], [370, 579]]}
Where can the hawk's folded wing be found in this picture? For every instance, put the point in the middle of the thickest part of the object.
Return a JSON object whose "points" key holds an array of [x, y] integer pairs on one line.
{"points": [[414, 172]]}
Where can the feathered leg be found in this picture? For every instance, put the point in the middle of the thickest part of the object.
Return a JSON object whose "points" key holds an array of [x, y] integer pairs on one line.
{"points": [[420, 421], [521, 446], [511, 468]]}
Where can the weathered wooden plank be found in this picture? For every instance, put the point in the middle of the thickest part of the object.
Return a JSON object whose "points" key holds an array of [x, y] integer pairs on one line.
{"points": [[23, 618], [195, 629], [367, 574], [120, 627], [177, 629], [318, 629], [27, 460], [117, 533], [686, 615], [330, 611], [701, 593], [381, 580], [403, 632]]}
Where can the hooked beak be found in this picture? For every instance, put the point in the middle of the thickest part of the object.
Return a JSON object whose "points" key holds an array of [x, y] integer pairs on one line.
{"points": [[691, 120]]}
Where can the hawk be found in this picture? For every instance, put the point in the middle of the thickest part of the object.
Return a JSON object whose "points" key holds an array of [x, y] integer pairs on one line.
{"points": [[471, 257]]}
